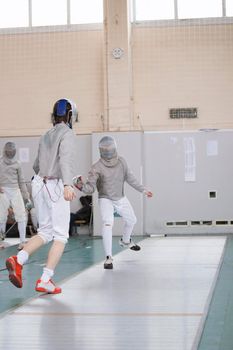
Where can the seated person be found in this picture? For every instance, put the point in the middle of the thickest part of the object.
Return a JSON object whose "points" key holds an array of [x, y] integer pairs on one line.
{"points": [[82, 214]]}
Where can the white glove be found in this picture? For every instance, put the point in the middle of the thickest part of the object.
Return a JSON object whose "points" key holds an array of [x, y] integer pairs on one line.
{"points": [[28, 204], [78, 182]]}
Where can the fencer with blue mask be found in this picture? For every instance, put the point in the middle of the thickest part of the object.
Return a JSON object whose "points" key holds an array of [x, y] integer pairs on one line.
{"points": [[108, 176], [13, 192], [52, 191]]}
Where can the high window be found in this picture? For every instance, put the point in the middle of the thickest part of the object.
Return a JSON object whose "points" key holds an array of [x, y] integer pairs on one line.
{"points": [[33, 13]]}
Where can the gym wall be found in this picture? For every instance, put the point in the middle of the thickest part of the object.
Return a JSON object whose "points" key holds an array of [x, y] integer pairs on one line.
{"points": [[190, 174], [169, 66], [191, 177]]}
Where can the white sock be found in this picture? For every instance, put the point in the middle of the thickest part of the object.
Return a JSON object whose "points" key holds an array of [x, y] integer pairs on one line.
{"points": [[47, 274], [22, 257]]}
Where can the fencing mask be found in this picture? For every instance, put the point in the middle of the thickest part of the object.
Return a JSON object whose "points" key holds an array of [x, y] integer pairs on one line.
{"points": [[9, 150], [108, 150], [67, 109]]}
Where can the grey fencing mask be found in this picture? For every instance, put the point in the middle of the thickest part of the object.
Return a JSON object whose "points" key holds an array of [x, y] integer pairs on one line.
{"points": [[9, 150], [108, 150]]}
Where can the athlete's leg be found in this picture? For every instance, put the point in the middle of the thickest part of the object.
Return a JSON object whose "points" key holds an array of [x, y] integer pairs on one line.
{"points": [[125, 210], [4, 205], [107, 210], [60, 216], [20, 214]]}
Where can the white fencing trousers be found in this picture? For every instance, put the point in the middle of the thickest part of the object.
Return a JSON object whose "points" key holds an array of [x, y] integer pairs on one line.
{"points": [[107, 209], [53, 211], [13, 197]]}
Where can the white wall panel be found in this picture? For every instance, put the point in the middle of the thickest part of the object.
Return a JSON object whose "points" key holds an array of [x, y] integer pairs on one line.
{"points": [[181, 204], [186, 205]]}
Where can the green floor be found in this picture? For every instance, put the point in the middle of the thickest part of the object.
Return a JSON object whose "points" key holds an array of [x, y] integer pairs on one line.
{"points": [[80, 253], [218, 330]]}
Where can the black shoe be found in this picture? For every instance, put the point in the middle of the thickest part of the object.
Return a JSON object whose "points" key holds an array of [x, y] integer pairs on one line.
{"points": [[135, 246], [2, 236], [131, 245], [108, 263]]}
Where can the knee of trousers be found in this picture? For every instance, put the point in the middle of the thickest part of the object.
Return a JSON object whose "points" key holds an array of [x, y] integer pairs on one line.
{"points": [[63, 240], [131, 221], [46, 238], [108, 223]]}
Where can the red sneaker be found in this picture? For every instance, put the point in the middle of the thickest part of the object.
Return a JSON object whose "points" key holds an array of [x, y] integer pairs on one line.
{"points": [[15, 271], [48, 287]]}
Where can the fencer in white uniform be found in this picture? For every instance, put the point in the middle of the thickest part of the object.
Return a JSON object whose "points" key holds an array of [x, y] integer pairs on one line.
{"points": [[52, 192], [108, 175], [13, 191]]}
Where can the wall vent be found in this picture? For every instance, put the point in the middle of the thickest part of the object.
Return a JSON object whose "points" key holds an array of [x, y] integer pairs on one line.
{"points": [[183, 113], [221, 222], [207, 222], [195, 223], [204, 222], [199, 223], [177, 223]]}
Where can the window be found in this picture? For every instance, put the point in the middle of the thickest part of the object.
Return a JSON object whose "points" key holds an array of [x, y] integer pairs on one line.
{"points": [[229, 7], [49, 12], [181, 9], [199, 8], [24, 13], [154, 9], [86, 11], [14, 13]]}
